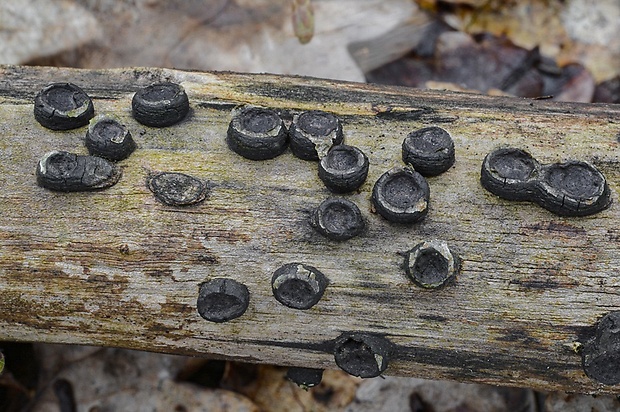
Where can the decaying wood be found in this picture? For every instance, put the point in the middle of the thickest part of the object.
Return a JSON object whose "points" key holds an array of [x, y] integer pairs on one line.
{"points": [[118, 268]]}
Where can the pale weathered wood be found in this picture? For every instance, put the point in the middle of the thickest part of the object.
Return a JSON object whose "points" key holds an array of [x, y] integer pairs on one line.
{"points": [[117, 268]]}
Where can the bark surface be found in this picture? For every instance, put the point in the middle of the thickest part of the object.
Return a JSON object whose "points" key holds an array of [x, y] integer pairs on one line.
{"points": [[119, 268]]}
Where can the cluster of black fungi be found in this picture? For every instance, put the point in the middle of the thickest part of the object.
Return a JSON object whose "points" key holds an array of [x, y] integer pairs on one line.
{"points": [[401, 195], [65, 106]]}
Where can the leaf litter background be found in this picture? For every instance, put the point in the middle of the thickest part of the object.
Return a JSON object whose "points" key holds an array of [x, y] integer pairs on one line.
{"points": [[564, 50]]}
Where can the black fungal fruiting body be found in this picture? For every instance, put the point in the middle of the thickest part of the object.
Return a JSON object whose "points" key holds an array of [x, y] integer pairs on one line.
{"points": [[298, 286], [305, 377], [510, 173], [257, 133], [68, 172], [160, 104], [362, 354], [63, 106], [429, 150], [601, 355], [572, 188], [401, 195], [177, 189], [344, 168], [338, 219], [432, 264], [313, 133], [108, 138], [222, 299]]}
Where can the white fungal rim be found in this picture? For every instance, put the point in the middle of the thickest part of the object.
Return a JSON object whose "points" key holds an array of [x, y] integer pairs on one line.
{"points": [[43, 161], [440, 246], [322, 144], [301, 273], [109, 118], [273, 133], [418, 207]]}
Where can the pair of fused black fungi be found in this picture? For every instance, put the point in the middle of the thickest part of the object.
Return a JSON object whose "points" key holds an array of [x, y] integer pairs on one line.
{"points": [[65, 106], [573, 188]]}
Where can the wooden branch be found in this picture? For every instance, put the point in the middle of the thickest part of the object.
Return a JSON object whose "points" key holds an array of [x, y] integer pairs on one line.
{"points": [[118, 268]]}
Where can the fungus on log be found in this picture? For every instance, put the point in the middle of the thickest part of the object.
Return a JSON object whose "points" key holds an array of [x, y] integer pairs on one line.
{"points": [[117, 267]]}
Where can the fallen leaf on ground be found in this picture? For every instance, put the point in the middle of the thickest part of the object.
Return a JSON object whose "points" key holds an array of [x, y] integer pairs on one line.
{"points": [[264, 383]]}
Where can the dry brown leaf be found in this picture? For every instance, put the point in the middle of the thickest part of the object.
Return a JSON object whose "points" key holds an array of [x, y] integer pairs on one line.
{"points": [[570, 31], [303, 20], [271, 391]]}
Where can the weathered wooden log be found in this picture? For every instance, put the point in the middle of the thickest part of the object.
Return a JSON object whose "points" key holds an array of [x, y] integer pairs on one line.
{"points": [[117, 267]]}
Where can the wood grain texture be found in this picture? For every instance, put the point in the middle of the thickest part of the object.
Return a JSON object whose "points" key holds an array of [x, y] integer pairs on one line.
{"points": [[118, 268]]}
